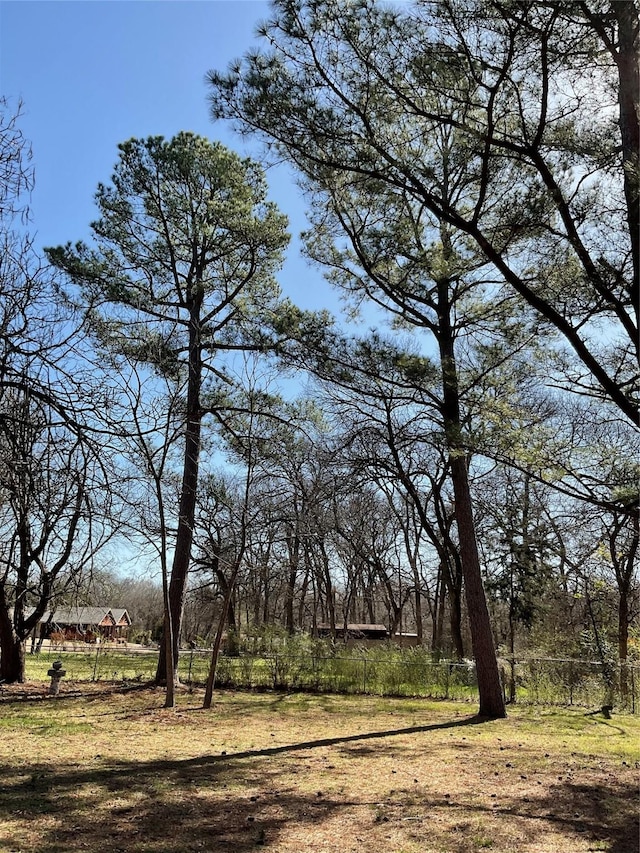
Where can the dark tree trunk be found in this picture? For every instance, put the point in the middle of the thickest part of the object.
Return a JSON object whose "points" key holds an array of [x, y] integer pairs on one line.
{"points": [[417, 593], [396, 615], [12, 649], [624, 568], [227, 593], [304, 590], [452, 583], [418, 606], [327, 601], [455, 622], [266, 588], [293, 549], [489, 687], [184, 538], [623, 642], [628, 62], [12, 659], [188, 494]]}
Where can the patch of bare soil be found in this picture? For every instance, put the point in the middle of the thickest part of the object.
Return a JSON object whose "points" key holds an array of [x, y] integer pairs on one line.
{"points": [[116, 771]]}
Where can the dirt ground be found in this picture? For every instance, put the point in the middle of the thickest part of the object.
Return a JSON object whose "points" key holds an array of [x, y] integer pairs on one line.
{"points": [[107, 770]]}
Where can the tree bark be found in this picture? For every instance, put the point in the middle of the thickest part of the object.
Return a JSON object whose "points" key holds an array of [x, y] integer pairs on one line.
{"points": [[418, 606], [455, 622], [623, 643], [628, 62], [217, 645], [438, 605], [489, 688], [293, 547], [188, 492], [12, 660], [227, 594]]}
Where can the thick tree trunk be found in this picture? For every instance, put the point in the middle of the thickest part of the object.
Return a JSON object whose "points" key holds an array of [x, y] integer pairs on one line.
{"points": [[624, 569], [12, 657], [184, 538], [624, 620], [188, 494], [628, 62], [12, 650], [291, 585], [306, 580], [489, 688], [266, 588], [395, 613]]}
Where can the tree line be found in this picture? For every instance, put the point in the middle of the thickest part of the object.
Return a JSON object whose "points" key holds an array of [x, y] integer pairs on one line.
{"points": [[467, 471]]}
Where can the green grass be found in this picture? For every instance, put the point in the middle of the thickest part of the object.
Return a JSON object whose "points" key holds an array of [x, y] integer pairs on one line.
{"points": [[43, 725], [110, 769], [382, 671], [99, 664]]}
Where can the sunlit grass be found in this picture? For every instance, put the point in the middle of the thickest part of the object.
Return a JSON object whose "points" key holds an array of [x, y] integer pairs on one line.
{"points": [[113, 769]]}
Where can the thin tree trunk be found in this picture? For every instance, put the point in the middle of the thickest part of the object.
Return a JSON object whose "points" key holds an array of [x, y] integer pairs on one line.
{"points": [[623, 642], [438, 622], [211, 677], [455, 622], [304, 589], [167, 645], [451, 584], [293, 546], [227, 592], [418, 609]]}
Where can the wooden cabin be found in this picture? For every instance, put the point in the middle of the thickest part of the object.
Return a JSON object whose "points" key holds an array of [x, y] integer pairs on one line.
{"points": [[90, 623]]}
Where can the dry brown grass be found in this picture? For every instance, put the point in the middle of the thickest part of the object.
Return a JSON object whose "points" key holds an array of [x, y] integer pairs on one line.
{"points": [[111, 770]]}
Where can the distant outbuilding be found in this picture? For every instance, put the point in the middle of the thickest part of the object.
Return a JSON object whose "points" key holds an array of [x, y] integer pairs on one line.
{"points": [[354, 631]]}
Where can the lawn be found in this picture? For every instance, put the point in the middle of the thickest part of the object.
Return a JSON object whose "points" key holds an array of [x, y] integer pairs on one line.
{"points": [[105, 768]]}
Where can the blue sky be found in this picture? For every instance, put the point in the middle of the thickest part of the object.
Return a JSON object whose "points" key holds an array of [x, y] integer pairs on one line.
{"points": [[93, 73]]}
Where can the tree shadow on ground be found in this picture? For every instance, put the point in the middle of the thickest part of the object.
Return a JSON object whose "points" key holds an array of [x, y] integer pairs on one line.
{"points": [[21, 694], [245, 800]]}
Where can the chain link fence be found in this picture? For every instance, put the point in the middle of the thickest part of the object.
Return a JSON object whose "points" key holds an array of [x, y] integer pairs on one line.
{"points": [[536, 681]]}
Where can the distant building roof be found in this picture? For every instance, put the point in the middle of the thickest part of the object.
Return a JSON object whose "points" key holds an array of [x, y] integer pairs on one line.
{"points": [[121, 616], [102, 616], [355, 630]]}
